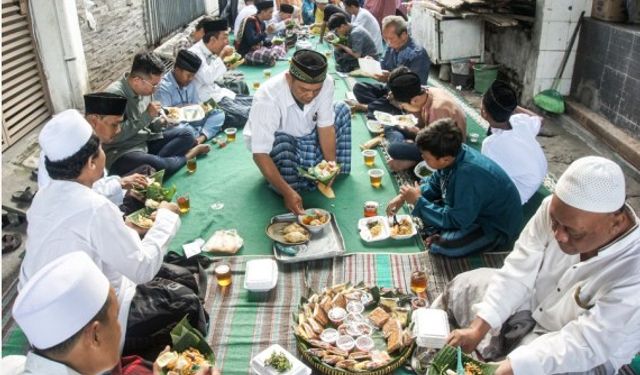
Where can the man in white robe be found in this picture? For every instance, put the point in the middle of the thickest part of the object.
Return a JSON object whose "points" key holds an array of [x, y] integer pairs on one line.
{"points": [[574, 270], [68, 215]]}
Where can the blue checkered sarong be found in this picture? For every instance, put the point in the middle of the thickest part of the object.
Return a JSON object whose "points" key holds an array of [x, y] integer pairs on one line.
{"points": [[291, 152]]}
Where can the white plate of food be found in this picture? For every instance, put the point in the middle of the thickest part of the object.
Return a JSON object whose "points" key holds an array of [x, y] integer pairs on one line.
{"points": [[384, 118], [404, 229], [405, 120], [375, 228], [422, 170], [275, 360], [375, 126], [315, 219], [184, 114]]}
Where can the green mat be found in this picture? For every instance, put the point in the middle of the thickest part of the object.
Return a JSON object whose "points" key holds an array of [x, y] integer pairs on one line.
{"points": [[229, 176]]}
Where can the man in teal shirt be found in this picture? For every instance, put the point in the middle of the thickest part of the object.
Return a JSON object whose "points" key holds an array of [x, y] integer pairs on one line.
{"points": [[468, 204]]}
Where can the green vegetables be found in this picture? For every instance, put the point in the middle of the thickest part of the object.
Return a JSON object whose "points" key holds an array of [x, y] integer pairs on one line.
{"points": [[278, 361]]}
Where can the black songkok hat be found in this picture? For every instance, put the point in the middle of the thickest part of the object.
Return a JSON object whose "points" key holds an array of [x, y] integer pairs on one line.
{"points": [[214, 25], [188, 61], [308, 66], [405, 86], [104, 104], [500, 101], [286, 8], [264, 5]]}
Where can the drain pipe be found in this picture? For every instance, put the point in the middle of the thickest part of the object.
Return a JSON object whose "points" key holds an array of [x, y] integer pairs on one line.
{"points": [[58, 40]]}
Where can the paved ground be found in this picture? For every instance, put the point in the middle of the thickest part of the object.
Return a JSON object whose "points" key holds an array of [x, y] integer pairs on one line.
{"points": [[562, 138]]}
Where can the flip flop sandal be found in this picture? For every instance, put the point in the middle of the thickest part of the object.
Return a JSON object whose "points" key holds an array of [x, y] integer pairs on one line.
{"points": [[10, 242], [23, 196]]}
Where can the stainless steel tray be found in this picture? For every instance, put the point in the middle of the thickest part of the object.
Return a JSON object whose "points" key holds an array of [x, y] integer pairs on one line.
{"points": [[327, 244]]}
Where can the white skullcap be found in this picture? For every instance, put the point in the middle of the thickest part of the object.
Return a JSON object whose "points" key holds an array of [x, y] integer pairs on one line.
{"points": [[64, 135], [60, 299], [592, 184]]}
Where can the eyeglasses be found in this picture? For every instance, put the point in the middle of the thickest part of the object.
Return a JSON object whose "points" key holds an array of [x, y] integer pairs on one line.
{"points": [[150, 84]]}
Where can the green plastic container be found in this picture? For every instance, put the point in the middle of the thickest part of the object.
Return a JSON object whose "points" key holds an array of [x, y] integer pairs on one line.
{"points": [[483, 76]]}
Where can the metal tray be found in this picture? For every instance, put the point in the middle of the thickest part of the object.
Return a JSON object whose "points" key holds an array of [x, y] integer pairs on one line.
{"points": [[327, 244]]}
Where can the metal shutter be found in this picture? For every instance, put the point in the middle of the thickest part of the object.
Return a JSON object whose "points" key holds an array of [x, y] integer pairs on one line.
{"points": [[25, 104]]}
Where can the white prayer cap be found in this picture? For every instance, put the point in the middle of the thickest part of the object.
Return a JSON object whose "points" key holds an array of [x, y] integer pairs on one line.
{"points": [[60, 299], [592, 184], [64, 135]]}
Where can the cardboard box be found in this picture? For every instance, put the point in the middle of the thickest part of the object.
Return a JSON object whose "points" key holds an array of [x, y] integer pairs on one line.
{"points": [[609, 10]]}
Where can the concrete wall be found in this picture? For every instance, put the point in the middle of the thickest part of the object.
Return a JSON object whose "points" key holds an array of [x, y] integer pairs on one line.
{"points": [[119, 33], [606, 77]]}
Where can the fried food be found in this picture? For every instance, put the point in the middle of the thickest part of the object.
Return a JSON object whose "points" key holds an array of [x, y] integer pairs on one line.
{"points": [[173, 113], [472, 369], [293, 227], [403, 228], [295, 237], [378, 316], [316, 218]]}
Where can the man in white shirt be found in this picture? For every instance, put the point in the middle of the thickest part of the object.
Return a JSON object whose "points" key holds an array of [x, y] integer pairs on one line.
{"points": [[104, 112], [572, 279], [68, 216], [69, 313], [364, 18], [293, 123], [512, 143], [214, 47], [248, 10]]}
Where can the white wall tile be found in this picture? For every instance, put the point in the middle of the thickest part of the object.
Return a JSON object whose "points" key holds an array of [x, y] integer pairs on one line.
{"points": [[564, 87], [548, 63], [568, 69], [557, 10]]}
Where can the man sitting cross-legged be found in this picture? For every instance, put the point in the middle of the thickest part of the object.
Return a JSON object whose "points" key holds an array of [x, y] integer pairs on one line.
{"points": [[252, 40], [144, 139], [468, 204], [177, 89], [293, 123]]}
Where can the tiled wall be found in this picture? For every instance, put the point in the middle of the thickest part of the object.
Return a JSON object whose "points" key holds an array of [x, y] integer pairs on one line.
{"points": [[607, 73], [559, 19]]}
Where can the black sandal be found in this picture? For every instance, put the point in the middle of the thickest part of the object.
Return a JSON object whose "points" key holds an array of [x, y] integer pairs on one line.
{"points": [[11, 242], [23, 196]]}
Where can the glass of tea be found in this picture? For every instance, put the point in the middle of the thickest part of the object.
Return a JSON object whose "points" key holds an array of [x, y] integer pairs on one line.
{"points": [[183, 203], [223, 274], [418, 282], [191, 166], [256, 85], [221, 140], [370, 208], [231, 134], [369, 157], [375, 176], [267, 74]]}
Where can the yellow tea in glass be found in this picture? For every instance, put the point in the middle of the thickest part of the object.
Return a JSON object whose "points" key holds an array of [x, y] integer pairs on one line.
{"points": [[183, 203], [231, 134], [327, 54], [418, 282], [191, 166], [256, 85], [369, 157], [375, 176], [223, 274], [267, 74], [370, 209]]}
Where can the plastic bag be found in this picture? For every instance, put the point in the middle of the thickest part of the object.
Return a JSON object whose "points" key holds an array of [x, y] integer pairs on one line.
{"points": [[225, 241]]}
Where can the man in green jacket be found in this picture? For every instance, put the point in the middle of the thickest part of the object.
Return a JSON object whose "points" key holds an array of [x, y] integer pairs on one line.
{"points": [[468, 204], [144, 138]]}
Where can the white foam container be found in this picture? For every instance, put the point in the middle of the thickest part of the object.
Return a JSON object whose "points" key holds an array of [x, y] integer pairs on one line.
{"points": [[258, 367], [431, 327], [261, 275]]}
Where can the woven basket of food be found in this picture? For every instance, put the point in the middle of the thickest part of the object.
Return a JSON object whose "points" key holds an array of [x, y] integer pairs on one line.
{"points": [[349, 329]]}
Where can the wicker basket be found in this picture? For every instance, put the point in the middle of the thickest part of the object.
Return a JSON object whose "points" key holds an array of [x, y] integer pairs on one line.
{"points": [[330, 370]]}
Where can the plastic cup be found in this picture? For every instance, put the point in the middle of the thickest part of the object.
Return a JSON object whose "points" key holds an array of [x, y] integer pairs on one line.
{"points": [[231, 134], [375, 177], [184, 203], [223, 274], [474, 137], [369, 157], [267, 74], [191, 166]]}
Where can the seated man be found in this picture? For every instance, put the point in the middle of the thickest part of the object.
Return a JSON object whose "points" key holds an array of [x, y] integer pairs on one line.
{"points": [[566, 299], [358, 44], [248, 10], [512, 143], [293, 124], [428, 105], [177, 89], [143, 139], [214, 47], [104, 112], [191, 38], [280, 19], [69, 313], [363, 18], [328, 11], [468, 204], [401, 51], [252, 42], [68, 216]]}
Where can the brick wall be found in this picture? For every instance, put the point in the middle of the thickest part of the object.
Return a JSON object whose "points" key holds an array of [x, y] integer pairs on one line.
{"points": [[119, 34], [606, 76]]}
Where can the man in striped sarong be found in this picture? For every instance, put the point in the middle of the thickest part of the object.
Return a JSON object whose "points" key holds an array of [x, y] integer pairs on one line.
{"points": [[294, 123]]}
